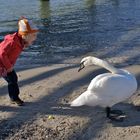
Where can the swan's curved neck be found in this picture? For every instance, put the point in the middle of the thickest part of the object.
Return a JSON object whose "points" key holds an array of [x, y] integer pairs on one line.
{"points": [[104, 64]]}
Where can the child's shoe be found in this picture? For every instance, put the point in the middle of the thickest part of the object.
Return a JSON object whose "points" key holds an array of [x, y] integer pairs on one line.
{"points": [[18, 101]]}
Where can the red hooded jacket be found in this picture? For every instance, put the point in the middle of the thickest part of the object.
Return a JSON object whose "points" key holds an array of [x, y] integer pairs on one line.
{"points": [[10, 49]]}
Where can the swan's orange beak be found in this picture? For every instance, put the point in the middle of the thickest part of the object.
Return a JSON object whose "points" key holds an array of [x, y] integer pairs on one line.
{"points": [[81, 66]]}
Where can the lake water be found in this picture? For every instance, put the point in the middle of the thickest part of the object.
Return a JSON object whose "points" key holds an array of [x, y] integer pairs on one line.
{"points": [[71, 28]]}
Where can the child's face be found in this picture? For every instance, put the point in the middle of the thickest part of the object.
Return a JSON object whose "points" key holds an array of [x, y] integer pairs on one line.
{"points": [[32, 38]]}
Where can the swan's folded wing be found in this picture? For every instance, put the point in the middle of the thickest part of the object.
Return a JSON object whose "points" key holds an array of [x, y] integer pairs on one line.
{"points": [[111, 85]]}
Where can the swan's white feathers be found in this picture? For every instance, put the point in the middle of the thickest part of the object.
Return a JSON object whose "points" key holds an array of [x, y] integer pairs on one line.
{"points": [[107, 89]]}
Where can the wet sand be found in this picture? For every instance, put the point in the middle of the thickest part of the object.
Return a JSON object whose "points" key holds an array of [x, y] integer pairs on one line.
{"points": [[48, 90]]}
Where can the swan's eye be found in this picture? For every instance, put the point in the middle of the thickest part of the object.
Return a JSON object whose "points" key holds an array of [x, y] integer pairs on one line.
{"points": [[81, 66]]}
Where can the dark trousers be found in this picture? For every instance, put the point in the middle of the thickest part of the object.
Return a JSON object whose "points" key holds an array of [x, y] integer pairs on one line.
{"points": [[13, 87]]}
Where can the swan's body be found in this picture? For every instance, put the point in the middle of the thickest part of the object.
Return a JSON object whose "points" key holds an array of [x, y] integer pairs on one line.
{"points": [[106, 89]]}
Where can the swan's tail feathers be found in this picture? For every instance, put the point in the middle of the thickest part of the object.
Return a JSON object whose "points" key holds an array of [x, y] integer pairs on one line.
{"points": [[79, 101], [76, 102]]}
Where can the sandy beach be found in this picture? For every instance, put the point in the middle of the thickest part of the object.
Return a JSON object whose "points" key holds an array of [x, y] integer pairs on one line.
{"points": [[47, 115]]}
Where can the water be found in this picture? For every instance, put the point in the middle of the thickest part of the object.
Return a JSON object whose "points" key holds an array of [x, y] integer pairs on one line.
{"points": [[71, 28]]}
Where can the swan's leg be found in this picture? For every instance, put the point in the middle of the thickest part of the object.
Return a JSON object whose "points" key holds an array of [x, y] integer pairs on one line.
{"points": [[115, 115], [108, 112]]}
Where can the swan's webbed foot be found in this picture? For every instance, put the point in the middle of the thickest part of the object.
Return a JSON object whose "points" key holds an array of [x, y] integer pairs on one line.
{"points": [[118, 118], [115, 115]]}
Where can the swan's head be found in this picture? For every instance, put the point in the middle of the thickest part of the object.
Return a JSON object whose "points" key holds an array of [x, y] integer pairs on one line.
{"points": [[86, 61]]}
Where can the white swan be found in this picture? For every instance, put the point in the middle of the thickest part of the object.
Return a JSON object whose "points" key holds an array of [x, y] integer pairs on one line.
{"points": [[106, 89]]}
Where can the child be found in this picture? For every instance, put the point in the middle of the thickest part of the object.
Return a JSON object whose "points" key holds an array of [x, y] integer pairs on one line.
{"points": [[10, 49]]}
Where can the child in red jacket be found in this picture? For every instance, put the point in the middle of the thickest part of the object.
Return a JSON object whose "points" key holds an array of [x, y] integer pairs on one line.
{"points": [[10, 49]]}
